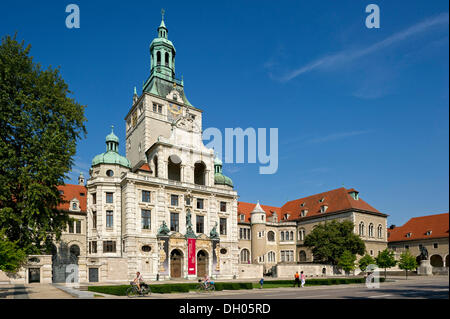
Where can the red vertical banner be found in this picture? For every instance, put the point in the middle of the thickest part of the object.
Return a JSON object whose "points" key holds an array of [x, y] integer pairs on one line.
{"points": [[191, 256]]}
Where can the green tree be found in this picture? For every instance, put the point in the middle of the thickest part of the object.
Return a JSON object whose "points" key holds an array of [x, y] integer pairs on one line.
{"points": [[365, 261], [39, 127], [407, 262], [11, 255], [329, 240], [347, 261], [385, 259]]}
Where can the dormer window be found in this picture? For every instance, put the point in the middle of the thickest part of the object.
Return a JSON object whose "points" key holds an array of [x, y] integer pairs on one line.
{"points": [[408, 235], [302, 204], [321, 200], [323, 208], [304, 212], [242, 217], [354, 195], [428, 233], [286, 216], [74, 206], [61, 192], [175, 97]]}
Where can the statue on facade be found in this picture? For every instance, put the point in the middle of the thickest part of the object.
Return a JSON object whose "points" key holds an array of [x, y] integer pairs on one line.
{"points": [[213, 233], [163, 229], [162, 257], [189, 232], [423, 253]]}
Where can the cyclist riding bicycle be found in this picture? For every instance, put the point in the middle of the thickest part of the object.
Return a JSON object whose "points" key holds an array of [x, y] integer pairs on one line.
{"points": [[206, 282], [139, 281]]}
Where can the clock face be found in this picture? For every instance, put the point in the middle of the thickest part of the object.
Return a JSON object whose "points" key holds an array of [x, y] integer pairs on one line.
{"points": [[175, 112]]}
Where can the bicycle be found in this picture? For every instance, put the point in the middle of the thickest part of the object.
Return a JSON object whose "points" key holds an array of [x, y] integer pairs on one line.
{"points": [[133, 291], [202, 287]]}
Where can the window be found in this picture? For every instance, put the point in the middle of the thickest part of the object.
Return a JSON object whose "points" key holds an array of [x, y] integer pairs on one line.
{"points": [[371, 252], [155, 107], [94, 198], [223, 226], [304, 212], [71, 227], [301, 234], [242, 217], [93, 247], [200, 225], [109, 246], [291, 235], [223, 206], [109, 218], [245, 256], [174, 222], [271, 236], [200, 203], [323, 208], [282, 236], [145, 219], [160, 109], [187, 200], [435, 245], [82, 194], [158, 57], [174, 200], [408, 235], [428, 233], [370, 230], [146, 196], [380, 231], [74, 206], [271, 257], [109, 198], [406, 246], [261, 259], [244, 233], [78, 226], [287, 255], [361, 229], [146, 248], [110, 173], [94, 220]]}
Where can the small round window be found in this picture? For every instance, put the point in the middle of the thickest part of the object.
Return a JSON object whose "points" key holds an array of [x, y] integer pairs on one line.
{"points": [[110, 173], [146, 248], [223, 251]]}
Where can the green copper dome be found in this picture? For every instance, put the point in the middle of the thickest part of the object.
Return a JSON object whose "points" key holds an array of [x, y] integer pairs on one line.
{"points": [[111, 156], [219, 178]]}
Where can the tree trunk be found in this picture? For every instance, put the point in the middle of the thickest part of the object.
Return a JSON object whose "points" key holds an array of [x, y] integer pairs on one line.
{"points": [[384, 273]]}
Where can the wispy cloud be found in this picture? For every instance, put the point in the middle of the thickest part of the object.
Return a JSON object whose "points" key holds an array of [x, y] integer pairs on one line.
{"points": [[336, 136], [347, 56]]}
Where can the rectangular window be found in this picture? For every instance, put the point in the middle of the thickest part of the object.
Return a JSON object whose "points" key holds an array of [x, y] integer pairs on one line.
{"points": [[174, 200], [200, 203], [146, 218], [94, 220], [223, 206], [90, 247], [241, 233], [174, 222], [200, 224], [146, 196], [223, 226], [78, 226], [94, 247], [109, 219], [109, 246], [435, 245], [160, 109], [109, 198], [71, 227], [94, 198], [155, 107], [406, 246]]}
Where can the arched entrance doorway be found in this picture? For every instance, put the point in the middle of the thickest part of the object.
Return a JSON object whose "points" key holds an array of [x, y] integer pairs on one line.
{"points": [[446, 261], [202, 263], [302, 256], [436, 261], [176, 263]]}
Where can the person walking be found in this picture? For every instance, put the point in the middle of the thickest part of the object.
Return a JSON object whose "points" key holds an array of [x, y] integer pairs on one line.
{"points": [[297, 279], [261, 282], [302, 277]]}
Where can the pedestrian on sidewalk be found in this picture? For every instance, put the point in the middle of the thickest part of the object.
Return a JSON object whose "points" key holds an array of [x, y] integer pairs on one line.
{"points": [[302, 277], [297, 279], [261, 282]]}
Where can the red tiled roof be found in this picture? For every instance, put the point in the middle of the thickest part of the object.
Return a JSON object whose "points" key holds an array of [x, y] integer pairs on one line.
{"points": [[336, 200], [419, 226], [247, 208], [73, 191]]}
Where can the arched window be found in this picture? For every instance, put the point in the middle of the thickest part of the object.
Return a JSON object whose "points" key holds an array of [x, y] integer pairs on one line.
{"points": [[282, 236], [245, 256], [158, 57], [271, 257], [166, 59], [174, 168], [370, 230], [361, 229], [291, 235], [199, 173], [155, 164], [302, 255], [74, 251], [301, 234], [380, 231], [271, 236]]}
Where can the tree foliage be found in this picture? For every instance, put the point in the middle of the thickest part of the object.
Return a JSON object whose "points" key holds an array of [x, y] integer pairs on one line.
{"points": [[329, 240], [347, 261], [407, 262], [365, 261], [39, 127], [385, 259], [11, 255]]}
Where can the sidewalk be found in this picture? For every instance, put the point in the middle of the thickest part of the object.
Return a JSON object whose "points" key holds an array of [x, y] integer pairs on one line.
{"points": [[32, 291]]}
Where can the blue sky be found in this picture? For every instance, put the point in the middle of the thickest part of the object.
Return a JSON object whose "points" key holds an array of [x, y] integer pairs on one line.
{"points": [[363, 108]]}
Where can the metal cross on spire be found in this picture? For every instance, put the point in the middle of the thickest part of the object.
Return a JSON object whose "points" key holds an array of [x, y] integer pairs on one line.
{"points": [[162, 13]]}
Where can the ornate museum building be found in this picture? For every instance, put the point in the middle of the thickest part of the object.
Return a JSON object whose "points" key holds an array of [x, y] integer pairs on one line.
{"points": [[167, 210]]}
